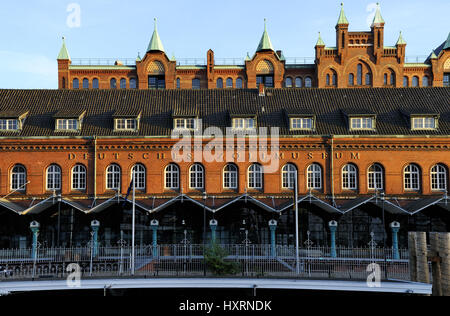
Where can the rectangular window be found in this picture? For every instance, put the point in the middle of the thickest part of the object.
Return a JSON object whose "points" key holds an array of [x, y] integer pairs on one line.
{"points": [[361, 123], [9, 124], [244, 123], [67, 124], [303, 123], [186, 123], [425, 123], [126, 124], [446, 80]]}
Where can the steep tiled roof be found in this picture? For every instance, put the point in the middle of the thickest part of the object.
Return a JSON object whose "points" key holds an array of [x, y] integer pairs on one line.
{"points": [[215, 106]]}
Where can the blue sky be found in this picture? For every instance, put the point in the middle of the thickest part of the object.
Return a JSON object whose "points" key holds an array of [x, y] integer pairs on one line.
{"points": [[31, 31]]}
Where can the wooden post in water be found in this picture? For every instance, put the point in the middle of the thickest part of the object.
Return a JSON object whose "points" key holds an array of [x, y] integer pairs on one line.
{"points": [[412, 256], [423, 272]]}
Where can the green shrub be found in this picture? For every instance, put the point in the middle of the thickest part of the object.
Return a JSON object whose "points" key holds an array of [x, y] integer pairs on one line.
{"points": [[215, 260]]}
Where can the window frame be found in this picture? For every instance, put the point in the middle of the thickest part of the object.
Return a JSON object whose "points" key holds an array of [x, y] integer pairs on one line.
{"points": [[245, 126], [441, 177], [174, 177], [347, 182], [140, 176], [424, 124], [288, 173], [362, 120], [255, 177], [113, 176], [375, 177], [232, 176], [197, 177], [82, 178], [53, 173], [303, 125], [311, 177], [411, 173], [19, 178]]}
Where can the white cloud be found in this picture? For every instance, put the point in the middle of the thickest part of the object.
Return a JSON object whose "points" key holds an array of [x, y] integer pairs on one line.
{"points": [[15, 62]]}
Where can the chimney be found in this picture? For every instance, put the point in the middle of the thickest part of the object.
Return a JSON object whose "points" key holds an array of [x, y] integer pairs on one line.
{"points": [[262, 91]]}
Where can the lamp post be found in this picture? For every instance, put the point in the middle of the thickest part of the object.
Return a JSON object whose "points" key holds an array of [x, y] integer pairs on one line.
{"points": [[204, 232], [213, 224], [333, 227], [273, 227], [95, 225], [58, 199], [154, 227], [297, 256], [34, 227], [395, 227]]}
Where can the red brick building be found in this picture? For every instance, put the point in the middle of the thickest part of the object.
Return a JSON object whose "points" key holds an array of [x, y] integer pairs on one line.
{"points": [[357, 59], [364, 154]]}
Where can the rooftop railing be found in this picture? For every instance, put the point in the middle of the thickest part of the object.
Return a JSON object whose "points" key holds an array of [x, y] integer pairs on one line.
{"points": [[218, 61]]}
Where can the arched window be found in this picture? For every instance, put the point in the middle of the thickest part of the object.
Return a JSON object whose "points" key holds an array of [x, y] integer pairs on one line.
{"points": [[138, 174], [359, 75], [75, 84], [308, 82], [178, 83], [375, 177], [113, 174], [288, 83], [425, 81], [78, 177], [64, 82], [349, 177], [18, 178], [172, 177], [239, 83], [196, 84], [314, 177], [229, 83], [334, 79], [53, 178], [196, 177], [95, 83], [288, 176], [133, 83], [255, 177], [385, 79], [351, 80], [123, 83], [415, 82], [411, 177], [328, 80], [298, 82], [219, 83], [113, 83], [368, 79], [439, 178], [405, 82], [392, 78], [230, 177], [85, 83]]}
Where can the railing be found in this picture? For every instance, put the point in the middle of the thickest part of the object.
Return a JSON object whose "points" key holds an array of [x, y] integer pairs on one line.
{"points": [[224, 61], [187, 260]]}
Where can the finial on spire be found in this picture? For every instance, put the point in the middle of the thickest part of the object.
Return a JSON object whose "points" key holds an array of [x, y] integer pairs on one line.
{"points": [[320, 42], [342, 18], [63, 53], [265, 43], [400, 40], [155, 42], [378, 19]]}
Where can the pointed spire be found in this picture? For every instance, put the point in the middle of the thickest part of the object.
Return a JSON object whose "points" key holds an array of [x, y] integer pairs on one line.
{"points": [[433, 55], [320, 42], [265, 43], [138, 58], [342, 18], [378, 19], [247, 58], [447, 42], [63, 53], [400, 40], [155, 42]]}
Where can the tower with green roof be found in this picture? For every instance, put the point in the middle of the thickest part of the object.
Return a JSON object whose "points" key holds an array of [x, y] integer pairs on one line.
{"points": [[64, 62], [342, 34], [378, 33], [155, 42], [265, 44]]}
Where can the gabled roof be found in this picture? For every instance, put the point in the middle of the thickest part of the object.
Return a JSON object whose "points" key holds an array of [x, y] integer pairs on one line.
{"points": [[265, 43], [447, 42], [155, 43], [342, 18], [63, 53]]}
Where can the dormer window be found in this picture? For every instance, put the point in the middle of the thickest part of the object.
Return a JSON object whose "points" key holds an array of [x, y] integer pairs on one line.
{"points": [[244, 123], [302, 123], [362, 123], [189, 123], [127, 120], [9, 124], [126, 124], [12, 120], [69, 120], [67, 124], [424, 123]]}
